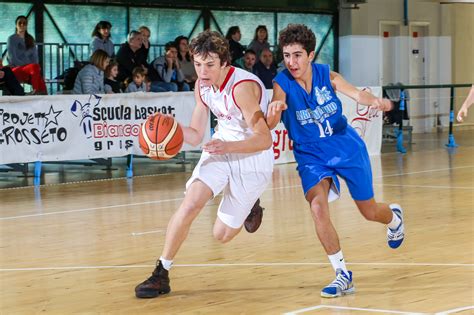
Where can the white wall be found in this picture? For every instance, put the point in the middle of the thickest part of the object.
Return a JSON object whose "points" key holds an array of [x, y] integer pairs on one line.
{"points": [[448, 51]]}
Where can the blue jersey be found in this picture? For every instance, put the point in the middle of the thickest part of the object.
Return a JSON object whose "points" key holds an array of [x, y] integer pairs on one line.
{"points": [[314, 116]]}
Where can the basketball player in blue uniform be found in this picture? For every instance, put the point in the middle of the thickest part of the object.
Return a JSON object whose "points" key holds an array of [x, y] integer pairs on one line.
{"points": [[325, 146]]}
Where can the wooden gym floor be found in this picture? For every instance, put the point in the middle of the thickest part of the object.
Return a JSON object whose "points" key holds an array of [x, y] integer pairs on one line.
{"points": [[82, 247]]}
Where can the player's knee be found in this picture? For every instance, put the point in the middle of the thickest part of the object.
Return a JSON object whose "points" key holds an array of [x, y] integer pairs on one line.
{"points": [[222, 236], [188, 212], [319, 211]]}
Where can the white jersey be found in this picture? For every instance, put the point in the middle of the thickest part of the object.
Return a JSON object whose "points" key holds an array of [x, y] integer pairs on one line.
{"points": [[231, 122], [232, 125]]}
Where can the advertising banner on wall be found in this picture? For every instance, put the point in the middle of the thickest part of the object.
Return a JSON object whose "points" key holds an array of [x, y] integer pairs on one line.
{"points": [[72, 127], [75, 127]]}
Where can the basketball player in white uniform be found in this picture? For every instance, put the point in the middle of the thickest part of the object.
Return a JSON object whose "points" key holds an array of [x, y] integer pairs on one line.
{"points": [[238, 160]]}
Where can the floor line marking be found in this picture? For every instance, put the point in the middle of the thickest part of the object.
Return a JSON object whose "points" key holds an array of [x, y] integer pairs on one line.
{"points": [[425, 186], [147, 232], [89, 209], [177, 199], [425, 171], [238, 265], [375, 310], [456, 310]]}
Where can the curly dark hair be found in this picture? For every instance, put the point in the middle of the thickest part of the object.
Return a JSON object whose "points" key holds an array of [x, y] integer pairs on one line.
{"points": [[297, 34], [209, 42]]}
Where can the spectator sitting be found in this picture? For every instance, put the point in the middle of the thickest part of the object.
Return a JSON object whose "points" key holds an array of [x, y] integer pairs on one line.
{"points": [[138, 84], [185, 60], [23, 57], [171, 78], [90, 80], [128, 56], [144, 50], [236, 49], [266, 69], [110, 84], [8, 79], [101, 38], [250, 58], [260, 40]]}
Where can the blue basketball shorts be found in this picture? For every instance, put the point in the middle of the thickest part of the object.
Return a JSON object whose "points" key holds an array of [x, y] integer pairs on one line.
{"points": [[344, 155]]}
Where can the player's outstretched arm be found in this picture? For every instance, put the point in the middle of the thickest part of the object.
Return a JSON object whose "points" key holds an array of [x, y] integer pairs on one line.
{"points": [[465, 106], [361, 97], [247, 96], [277, 105], [197, 128]]}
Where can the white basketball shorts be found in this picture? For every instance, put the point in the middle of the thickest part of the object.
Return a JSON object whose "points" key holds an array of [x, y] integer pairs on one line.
{"points": [[241, 177]]}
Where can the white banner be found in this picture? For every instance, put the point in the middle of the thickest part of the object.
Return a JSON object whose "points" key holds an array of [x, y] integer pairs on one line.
{"points": [[367, 122], [74, 127]]}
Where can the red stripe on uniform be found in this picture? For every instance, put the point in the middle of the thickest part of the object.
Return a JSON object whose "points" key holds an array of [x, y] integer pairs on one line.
{"points": [[227, 78], [246, 80]]}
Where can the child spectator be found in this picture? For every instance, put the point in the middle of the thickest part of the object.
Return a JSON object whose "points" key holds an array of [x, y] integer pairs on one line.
{"points": [[138, 84], [110, 84]]}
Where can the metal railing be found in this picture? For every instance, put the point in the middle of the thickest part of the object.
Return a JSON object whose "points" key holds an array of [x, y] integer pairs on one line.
{"points": [[59, 57], [451, 141]]}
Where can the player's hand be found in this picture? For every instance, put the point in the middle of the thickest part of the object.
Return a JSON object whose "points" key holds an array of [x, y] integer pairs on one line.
{"points": [[382, 104], [461, 114], [276, 107], [216, 146]]}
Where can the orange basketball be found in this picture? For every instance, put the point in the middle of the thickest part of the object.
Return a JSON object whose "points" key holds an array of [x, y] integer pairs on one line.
{"points": [[161, 137]]}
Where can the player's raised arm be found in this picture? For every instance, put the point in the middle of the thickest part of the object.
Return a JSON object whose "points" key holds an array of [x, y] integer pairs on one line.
{"points": [[197, 128], [361, 97], [277, 105]]}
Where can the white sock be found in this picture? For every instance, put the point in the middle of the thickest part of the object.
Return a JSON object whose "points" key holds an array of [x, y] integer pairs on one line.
{"points": [[393, 225], [166, 263], [338, 262]]}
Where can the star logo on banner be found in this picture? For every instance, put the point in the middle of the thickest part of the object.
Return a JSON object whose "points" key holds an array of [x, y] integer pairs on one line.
{"points": [[52, 116]]}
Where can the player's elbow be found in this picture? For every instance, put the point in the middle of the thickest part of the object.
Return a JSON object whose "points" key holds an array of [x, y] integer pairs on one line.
{"points": [[267, 142], [194, 141], [193, 137]]}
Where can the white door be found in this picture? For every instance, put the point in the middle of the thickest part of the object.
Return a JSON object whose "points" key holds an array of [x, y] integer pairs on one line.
{"points": [[418, 105], [390, 34]]}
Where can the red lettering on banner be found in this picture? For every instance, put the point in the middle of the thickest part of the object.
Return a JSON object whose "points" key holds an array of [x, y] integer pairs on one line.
{"points": [[104, 130], [279, 145]]}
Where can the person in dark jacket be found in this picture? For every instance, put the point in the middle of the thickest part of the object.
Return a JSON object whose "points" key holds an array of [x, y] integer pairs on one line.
{"points": [[236, 49], [8, 81], [128, 56], [265, 68]]}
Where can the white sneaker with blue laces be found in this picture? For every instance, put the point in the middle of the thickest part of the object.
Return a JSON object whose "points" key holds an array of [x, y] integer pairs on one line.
{"points": [[395, 237], [342, 285]]}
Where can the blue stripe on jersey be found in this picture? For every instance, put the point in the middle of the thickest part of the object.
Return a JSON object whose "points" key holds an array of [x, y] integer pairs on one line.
{"points": [[314, 116]]}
